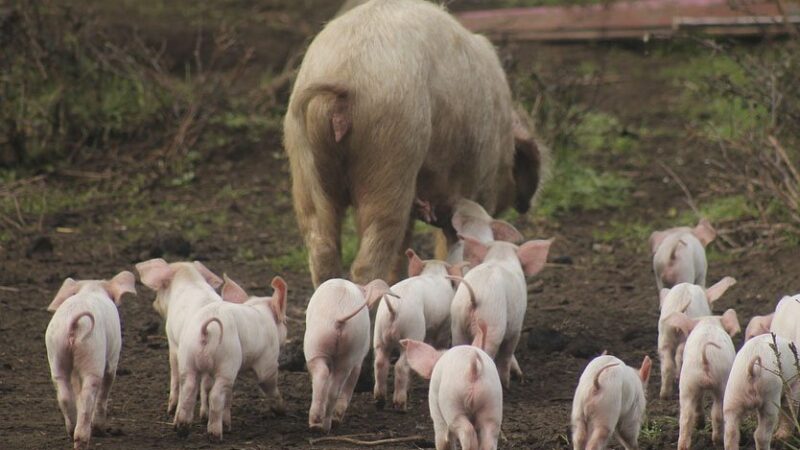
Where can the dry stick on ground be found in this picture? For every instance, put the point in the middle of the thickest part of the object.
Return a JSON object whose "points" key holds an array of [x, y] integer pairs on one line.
{"points": [[350, 440]]}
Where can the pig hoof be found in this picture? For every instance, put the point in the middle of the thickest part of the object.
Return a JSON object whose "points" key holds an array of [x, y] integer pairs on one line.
{"points": [[80, 444], [380, 402], [400, 406], [214, 438], [317, 428], [182, 429]]}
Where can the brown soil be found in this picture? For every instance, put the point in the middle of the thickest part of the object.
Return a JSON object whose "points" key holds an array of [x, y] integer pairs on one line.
{"points": [[593, 302]]}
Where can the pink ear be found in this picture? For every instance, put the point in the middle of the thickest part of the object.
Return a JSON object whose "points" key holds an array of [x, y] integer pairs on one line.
{"points": [[459, 221], [704, 232], [155, 273], [374, 290], [644, 371], [716, 291], [682, 322], [758, 325], [533, 255], [232, 292], [421, 357], [480, 335], [415, 264], [69, 288], [504, 231], [210, 277], [123, 283], [474, 250], [457, 270], [730, 322], [279, 298], [656, 239]]}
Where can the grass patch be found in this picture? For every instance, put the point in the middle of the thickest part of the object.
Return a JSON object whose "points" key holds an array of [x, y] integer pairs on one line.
{"points": [[629, 234], [575, 186]]}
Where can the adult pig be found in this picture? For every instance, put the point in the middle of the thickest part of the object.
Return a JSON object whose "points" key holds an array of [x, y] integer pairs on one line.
{"points": [[396, 101]]}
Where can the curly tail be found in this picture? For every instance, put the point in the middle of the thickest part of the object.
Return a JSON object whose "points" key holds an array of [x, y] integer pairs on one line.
{"points": [[600, 372], [473, 300], [338, 109], [706, 367], [73, 326], [204, 330], [752, 370], [341, 321]]}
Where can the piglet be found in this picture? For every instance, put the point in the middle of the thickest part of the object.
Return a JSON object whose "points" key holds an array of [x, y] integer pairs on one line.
{"points": [[224, 338], [679, 254], [470, 219], [694, 301], [495, 292], [610, 399], [83, 342], [422, 312], [756, 382], [182, 288], [785, 321], [707, 359], [335, 344], [465, 395]]}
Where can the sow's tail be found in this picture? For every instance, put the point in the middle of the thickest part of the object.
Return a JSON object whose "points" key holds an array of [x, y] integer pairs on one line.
{"points": [[328, 116]]}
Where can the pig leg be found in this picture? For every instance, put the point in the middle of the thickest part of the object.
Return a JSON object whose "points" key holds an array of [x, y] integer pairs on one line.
{"points": [[206, 382], [102, 401], [690, 401], [767, 420], [462, 429], [667, 372], [599, 437], [717, 422], [679, 359], [174, 383], [383, 218], [732, 421], [579, 435], [516, 371], [381, 375], [402, 377], [320, 388], [267, 376], [488, 433], [217, 399], [503, 359], [186, 402], [66, 401], [346, 393], [86, 404], [440, 430]]}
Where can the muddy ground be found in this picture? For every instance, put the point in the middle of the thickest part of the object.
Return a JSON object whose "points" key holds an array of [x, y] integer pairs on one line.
{"points": [[589, 299]]}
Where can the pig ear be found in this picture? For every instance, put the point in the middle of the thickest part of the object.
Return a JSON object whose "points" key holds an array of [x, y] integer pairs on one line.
{"points": [[374, 290], [68, 289], [211, 277], [758, 325], [662, 295], [232, 292], [279, 298], [704, 232], [122, 283], [656, 238], [155, 273], [504, 231], [457, 270], [533, 255], [480, 335], [644, 371], [715, 292], [681, 321], [474, 250], [415, 264], [421, 357], [730, 322]]}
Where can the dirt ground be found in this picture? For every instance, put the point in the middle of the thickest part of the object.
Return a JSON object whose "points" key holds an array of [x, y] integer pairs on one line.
{"points": [[589, 299]]}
